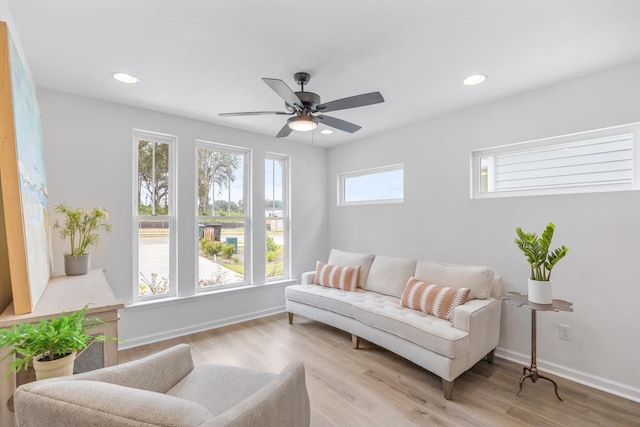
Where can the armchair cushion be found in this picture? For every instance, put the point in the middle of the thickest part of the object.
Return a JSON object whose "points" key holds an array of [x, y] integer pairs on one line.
{"points": [[228, 384]]}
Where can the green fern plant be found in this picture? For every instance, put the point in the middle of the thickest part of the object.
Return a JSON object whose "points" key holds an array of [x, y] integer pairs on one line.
{"points": [[536, 249], [49, 339]]}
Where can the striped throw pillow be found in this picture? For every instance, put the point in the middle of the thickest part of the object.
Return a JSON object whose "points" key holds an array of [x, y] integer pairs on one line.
{"points": [[433, 299], [336, 276]]}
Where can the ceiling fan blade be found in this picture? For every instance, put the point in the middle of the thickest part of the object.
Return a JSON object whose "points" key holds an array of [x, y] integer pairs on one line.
{"points": [[285, 131], [339, 124], [255, 113], [284, 92], [351, 102]]}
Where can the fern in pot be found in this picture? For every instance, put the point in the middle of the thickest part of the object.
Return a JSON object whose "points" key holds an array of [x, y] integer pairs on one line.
{"points": [[541, 260], [52, 344], [82, 227]]}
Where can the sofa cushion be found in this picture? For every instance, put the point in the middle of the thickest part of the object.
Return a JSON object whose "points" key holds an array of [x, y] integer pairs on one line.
{"points": [[438, 335], [338, 257], [477, 278], [389, 275], [336, 276], [334, 300], [433, 299]]}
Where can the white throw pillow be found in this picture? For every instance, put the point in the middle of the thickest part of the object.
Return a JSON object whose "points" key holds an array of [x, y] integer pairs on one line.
{"points": [[474, 277], [389, 276]]}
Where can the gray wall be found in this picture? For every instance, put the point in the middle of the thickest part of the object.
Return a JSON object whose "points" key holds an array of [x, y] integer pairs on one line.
{"points": [[438, 221], [88, 152]]}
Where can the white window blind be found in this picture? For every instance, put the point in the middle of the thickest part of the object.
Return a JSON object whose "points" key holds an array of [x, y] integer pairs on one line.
{"points": [[598, 160]]}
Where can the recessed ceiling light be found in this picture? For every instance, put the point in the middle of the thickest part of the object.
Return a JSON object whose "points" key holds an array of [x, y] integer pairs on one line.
{"points": [[474, 79], [125, 78], [326, 131]]}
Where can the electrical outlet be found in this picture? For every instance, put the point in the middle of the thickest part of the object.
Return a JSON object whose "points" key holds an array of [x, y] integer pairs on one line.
{"points": [[565, 332]]}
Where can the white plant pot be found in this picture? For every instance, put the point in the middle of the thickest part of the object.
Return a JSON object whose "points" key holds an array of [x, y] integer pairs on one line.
{"points": [[55, 368], [540, 291]]}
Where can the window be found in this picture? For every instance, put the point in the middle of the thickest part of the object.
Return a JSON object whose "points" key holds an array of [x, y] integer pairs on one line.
{"points": [[223, 221], [154, 199], [600, 160], [379, 185], [276, 215]]}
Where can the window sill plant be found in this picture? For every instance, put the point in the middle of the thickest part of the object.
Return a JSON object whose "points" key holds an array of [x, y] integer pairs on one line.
{"points": [[50, 342], [83, 228], [541, 260]]}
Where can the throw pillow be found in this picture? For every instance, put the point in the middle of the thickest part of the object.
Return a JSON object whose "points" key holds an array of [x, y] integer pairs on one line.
{"points": [[336, 276], [433, 299]]}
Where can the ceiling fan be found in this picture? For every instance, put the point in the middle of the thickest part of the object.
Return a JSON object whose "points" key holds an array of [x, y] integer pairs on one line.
{"points": [[303, 105]]}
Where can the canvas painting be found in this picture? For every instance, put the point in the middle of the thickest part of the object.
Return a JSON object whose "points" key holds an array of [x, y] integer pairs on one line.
{"points": [[31, 176]]}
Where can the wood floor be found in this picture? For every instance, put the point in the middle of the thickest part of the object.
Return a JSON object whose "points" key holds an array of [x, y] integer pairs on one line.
{"points": [[374, 387]]}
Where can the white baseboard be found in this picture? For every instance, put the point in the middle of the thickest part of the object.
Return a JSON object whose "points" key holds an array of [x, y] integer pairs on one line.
{"points": [[599, 383], [174, 333]]}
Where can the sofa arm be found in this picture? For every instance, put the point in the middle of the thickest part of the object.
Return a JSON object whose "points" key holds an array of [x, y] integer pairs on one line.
{"points": [[307, 278], [74, 403], [284, 402], [158, 372], [480, 318]]}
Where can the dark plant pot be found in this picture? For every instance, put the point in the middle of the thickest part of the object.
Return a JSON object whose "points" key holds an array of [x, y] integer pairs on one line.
{"points": [[77, 265]]}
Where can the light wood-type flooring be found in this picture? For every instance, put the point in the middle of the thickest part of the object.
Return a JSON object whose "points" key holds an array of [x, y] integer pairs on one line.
{"points": [[374, 387]]}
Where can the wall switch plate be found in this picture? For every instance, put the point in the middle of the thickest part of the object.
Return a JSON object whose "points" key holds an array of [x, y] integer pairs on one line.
{"points": [[565, 332]]}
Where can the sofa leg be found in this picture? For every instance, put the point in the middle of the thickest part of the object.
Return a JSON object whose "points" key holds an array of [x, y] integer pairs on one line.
{"points": [[490, 356], [290, 318], [447, 388], [355, 340]]}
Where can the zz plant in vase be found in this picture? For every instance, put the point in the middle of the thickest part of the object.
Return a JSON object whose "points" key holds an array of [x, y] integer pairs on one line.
{"points": [[82, 227], [541, 259], [50, 343]]}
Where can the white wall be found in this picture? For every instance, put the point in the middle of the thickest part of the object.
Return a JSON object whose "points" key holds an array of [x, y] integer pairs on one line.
{"points": [[439, 221], [88, 153], [7, 16]]}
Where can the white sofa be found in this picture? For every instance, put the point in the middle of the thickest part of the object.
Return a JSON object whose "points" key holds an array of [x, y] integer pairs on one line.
{"points": [[374, 312]]}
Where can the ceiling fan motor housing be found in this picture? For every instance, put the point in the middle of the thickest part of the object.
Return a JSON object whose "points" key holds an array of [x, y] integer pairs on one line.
{"points": [[309, 100]]}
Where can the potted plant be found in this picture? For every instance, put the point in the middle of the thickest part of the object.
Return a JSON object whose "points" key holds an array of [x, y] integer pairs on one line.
{"points": [[541, 260], [82, 227], [51, 344]]}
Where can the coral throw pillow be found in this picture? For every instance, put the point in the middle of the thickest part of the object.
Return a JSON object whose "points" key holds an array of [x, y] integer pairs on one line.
{"points": [[336, 276], [433, 299]]}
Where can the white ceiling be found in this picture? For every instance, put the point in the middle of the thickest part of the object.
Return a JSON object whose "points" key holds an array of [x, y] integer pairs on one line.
{"points": [[198, 58]]}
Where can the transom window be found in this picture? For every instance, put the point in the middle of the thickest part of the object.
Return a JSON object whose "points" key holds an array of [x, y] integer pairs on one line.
{"points": [[599, 160], [378, 185]]}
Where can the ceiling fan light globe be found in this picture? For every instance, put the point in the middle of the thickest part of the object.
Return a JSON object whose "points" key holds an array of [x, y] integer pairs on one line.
{"points": [[302, 123]]}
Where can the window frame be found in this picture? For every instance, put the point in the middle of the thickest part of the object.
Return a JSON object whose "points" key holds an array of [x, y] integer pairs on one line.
{"points": [[344, 176], [286, 216], [559, 141], [248, 230], [172, 142]]}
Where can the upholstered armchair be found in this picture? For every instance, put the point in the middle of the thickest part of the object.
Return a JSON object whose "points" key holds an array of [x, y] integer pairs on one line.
{"points": [[166, 390]]}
